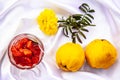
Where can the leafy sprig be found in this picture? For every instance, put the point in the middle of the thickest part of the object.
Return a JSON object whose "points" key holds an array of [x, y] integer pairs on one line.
{"points": [[76, 24]]}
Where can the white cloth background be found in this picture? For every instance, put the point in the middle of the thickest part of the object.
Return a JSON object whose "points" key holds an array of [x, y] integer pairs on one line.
{"points": [[107, 22]]}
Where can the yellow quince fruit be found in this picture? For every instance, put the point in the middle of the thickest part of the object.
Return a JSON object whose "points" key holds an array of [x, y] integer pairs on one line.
{"points": [[70, 57], [100, 53]]}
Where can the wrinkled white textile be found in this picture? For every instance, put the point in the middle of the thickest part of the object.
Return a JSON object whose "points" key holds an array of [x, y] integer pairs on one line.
{"points": [[18, 16]]}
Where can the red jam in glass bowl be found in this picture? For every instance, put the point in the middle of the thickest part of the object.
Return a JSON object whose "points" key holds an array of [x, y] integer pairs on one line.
{"points": [[25, 51]]}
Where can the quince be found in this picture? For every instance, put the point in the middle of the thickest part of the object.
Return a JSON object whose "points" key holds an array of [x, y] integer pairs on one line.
{"points": [[70, 57], [100, 53]]}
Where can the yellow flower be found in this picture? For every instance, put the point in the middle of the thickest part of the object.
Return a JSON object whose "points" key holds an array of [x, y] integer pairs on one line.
{"points": [[47, 21]]}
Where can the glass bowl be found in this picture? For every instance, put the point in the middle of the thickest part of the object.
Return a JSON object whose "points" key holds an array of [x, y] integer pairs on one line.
{"points": [[25, 51]]}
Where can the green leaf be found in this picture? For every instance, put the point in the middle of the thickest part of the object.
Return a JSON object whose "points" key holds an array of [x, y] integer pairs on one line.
{"points": [[86, 6], [74, 37], [75, 24], [92, 25], [83, 9], [81, 33], [61, 20], [77, 16], [86, 22], [89, 15], [70, 29], [65, 32], [78, 38], [92, 11], [83, 23], [68, 20], [73, 40], [83, 29], [87, 18]]}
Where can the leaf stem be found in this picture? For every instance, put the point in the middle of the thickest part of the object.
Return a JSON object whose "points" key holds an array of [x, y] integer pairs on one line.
{"points": [[75, 25]]}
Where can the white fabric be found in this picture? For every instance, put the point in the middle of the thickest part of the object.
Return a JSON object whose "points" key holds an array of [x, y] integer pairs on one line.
{"points": [[19, 17]]}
